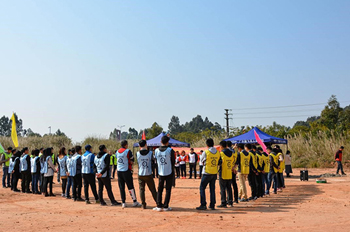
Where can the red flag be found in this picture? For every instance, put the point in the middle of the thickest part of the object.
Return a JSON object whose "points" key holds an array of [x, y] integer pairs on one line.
{"points": [[260, 141], [143, 135]]}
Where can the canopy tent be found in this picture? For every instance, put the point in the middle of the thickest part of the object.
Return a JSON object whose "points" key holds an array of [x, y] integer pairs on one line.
{"points": [[249, 137], [156, 142]]}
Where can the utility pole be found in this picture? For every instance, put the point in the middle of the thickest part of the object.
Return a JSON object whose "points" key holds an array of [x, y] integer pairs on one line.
{"points": [[227, 122], [49, 130]]}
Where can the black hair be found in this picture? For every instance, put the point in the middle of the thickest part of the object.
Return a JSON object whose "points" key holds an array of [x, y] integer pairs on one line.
{"points": [[229, 143], [24, 149], [210, 142], [223, 143], [165, 139], [41, 149], [73, 150], [269, 148], [32, 152], [342, 147], [36, 152], [248, 145], [275, 150], [277, 146], [142, 143], [102, 147], [288, 152], [124, 143], [260, 149], [191, 149], [62, 151], [241, 146], [9, 148], [253, 147], [18, 154], [77, 148]]}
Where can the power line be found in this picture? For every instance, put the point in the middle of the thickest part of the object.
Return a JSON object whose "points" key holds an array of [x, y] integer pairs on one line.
{"points": [[289, 106], [277, 117], [270, 112]]}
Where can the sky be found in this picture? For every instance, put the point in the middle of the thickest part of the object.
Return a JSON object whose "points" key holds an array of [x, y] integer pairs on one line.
{"points": [[86, 67]]}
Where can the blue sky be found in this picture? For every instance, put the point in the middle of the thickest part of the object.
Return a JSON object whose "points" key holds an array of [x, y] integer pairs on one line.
{"points": [[87, 66]]}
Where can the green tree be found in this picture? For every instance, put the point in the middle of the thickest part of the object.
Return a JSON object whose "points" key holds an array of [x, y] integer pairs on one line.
{"points": [[132, 133], [330, 114], [60, 133], [174, 125], [154, 130]]}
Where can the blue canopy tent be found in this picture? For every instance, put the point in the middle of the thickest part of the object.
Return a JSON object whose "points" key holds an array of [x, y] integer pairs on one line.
{"points": [[156, 142], [249, 137]]}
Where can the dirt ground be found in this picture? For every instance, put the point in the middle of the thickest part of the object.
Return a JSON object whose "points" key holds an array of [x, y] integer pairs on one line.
{"points": [[306, 206]]}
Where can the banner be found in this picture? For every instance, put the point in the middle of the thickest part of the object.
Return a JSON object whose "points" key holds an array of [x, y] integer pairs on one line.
{"points": [[14, 131]]}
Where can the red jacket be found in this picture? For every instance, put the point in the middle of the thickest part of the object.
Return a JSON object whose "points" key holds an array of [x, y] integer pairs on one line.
{"points": [[339, 155]]}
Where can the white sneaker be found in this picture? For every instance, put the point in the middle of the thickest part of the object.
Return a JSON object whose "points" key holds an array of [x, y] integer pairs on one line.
{"points": [[157, 209], [136, 204], [123, 205], [167, 209]]}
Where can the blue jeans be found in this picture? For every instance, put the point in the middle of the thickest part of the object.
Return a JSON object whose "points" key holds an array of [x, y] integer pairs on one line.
{"points": [[5, 171], [339, 168], [35, 179], [271, 176], [208, 179], [265, 181], [69, 185]]}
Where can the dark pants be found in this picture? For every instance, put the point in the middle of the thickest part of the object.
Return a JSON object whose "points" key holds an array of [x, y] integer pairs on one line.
{"points": [[208, 179], [193, 169], [280, 180], [155, 170], [183, 170], [41, 182], [14, 180], [77, 184], [89, 179], [5, 175], [271, 177], [169, 182], [225, 186], [235, 187], [25, 181], [35, 180], [177, 171], [125, 178], [252, 184], [105, 181], [47, 181], [69, 185], [64, 186], [264, 182], [259, 185], [200, 171], [143, 180], [114, 169], [340, 167]]}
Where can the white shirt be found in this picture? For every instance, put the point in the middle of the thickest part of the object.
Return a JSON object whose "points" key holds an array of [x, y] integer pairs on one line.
{"points": [[192, 157]]}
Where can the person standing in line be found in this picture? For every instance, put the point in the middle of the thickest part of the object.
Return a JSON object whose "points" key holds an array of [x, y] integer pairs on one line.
{"points": [[227, 163], [124, 166], [234, 175], [177, 164], [253, 171], [260, 168], [288, 163], [155, 166], [200, 164], [35, 169], [338, 158], [145, 160], [48, 170], [243, 166], [14, 170], [101, 168], [210, 159], [62, 169], [281, 165], [193, 159], [114, 164], [273, 158], [165, 156], [88, 160], [5, 161], [25, 170], [183, 164], [266, 161], [75, 171], [71, 152]]}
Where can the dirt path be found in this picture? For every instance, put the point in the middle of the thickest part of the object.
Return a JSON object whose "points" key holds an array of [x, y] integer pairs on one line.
{"points": [[303, 206]]}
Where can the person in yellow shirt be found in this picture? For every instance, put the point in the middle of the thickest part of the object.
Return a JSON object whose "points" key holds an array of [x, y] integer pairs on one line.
{"points": [[252, 177], [266, 167], [225, 175], [273, 158], [234, 175], [210, 159]]}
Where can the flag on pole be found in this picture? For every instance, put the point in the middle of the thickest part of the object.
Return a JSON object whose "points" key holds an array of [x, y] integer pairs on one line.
{"points": [[143, 135], [14, 131], [260, 141], [2, 150]]}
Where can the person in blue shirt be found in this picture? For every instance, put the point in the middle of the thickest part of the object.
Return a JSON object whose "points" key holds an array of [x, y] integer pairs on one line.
{"points": [[88, 159]]}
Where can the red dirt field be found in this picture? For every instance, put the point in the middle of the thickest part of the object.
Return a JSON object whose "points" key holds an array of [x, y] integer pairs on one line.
{"points": [[302, 206]]}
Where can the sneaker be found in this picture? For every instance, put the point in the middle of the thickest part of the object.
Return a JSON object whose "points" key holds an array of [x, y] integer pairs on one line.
{"points": [[222, 206], [115, 203], [212, 208], [202, 207], [87, 202], [274, 192], [344, 174], [63, 195], [136, 204], [255, 198], [80, 199], [68, 197], [16, 190], [157, 209], [144, 206], [52, 195], [167, 209], [279, 190], [230, 205], [243, 200], [97, 202], [103, 204], [236, 201], [123, 205]]}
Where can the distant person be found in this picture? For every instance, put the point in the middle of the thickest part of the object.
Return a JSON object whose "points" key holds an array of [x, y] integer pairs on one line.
{"points": [[75, 171], [101, 168], [25, 170], [338, 158], [165, 156], [145, 160], [62, 169], [288, 163], [155, 166], [124, 166], [114, 164], [88, 160], [266, 166], [210, 159], [260, 168], [177, 164], [48, 170], [35, 169], [5, 160], [281, 165], [14, 169], [244, 165], [272, 176], [234, 172], [225, 180], [70, 154], [183, 164], [253, 173], [200, 163], [193, 159]]}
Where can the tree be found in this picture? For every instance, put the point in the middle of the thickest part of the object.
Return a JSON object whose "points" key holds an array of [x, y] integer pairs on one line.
{"points": [[60, 133], [124, 135], [31, 133], [174, 125], [330, 114], [132, 133], [5, 126], [155, 130]]}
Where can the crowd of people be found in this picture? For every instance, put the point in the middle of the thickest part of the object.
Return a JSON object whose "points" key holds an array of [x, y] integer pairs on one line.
{"points": [[75, 168]]}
